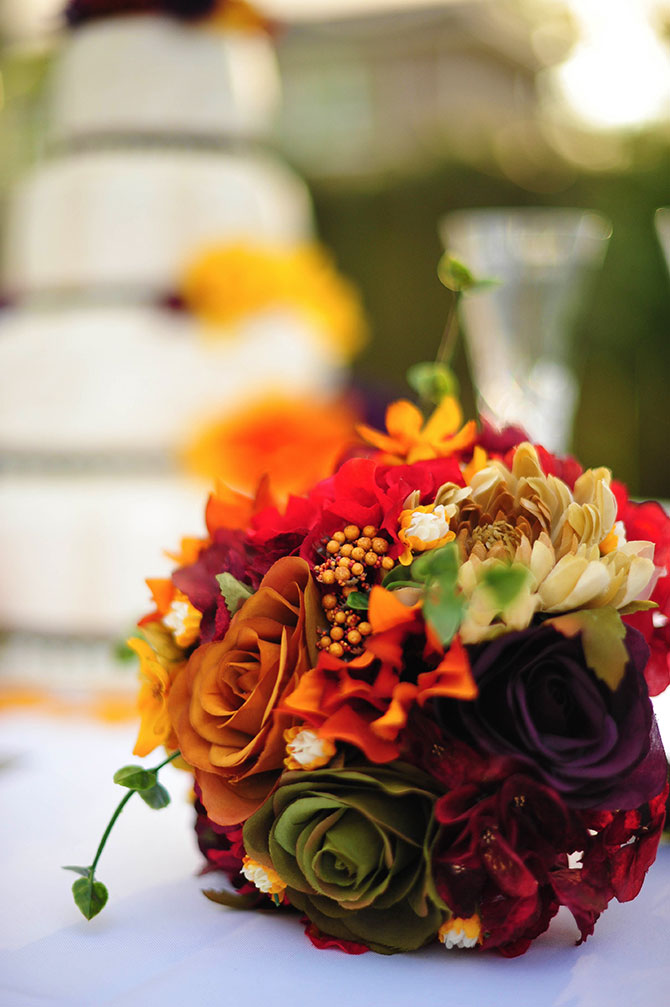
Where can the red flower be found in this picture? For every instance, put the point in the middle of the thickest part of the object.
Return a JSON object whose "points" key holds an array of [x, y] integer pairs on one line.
{"points": [[649, 522]]}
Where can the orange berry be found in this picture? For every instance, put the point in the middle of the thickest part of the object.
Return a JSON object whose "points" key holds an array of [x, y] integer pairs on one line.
{"points": [[351, 532], [336, 649], [333, 547], [365, 542], [387, 563], [354, 637], [336, 633], [380, 546], [339, 536], [369, 531], [364, 628], [328, 577], [329, 601], [346, 549], [371, 558]]}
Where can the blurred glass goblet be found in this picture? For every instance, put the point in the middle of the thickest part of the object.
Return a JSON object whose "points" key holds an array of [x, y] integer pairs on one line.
{"points": [[517, 330]]}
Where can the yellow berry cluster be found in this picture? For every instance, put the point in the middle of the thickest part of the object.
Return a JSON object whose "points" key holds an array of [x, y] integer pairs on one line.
{"points": [[353, 556]]}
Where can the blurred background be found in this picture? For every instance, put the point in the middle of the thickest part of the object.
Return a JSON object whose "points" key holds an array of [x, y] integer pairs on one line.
{"points": [[395, 113]]}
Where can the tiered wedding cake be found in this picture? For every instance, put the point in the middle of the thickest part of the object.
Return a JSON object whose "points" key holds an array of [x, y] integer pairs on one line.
{"points": [[156, 132]]}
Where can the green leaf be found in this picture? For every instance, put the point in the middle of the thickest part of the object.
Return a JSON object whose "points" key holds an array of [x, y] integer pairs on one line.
{"points": [[84, 871], [358, 600], [231, 899], [399, 576], [637, 606], [135, 778], [602, 635], [454, 275], [157, 797], [122, 652], [437, 563], [432, 381], [443, 609], [90, 896], [233, 591], [505, 583]]}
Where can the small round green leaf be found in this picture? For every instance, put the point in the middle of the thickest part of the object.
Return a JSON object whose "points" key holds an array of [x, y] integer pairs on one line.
{"points": [[90, 896], [135, 778], [157, 797]]}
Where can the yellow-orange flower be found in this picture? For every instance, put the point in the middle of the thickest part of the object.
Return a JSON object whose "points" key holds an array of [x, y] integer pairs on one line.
{"points": [[155, 724], [410, 438], [299, 441], [227, 283]]}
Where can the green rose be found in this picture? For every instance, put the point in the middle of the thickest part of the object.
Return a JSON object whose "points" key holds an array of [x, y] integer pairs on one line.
{"points": [[350, 844]]}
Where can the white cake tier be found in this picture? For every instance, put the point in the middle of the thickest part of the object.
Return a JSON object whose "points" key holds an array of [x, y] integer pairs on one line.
{"points": [[140, 379], [133, 219], [76, 550], [154, 75]]}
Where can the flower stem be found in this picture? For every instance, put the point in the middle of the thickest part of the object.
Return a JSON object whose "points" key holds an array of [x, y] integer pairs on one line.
{"points": [[121, 805], [110, 826], [450, 333]]}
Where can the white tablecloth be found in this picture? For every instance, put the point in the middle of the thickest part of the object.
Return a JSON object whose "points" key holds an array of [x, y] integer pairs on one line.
{"points": [[160, 942]]}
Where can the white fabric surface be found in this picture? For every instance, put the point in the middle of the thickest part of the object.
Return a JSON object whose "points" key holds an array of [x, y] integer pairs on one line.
{"points": [[164, 943]]}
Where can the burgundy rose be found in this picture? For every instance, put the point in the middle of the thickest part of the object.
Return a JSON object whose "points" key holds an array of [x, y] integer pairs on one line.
{"points": [[539, 702]]}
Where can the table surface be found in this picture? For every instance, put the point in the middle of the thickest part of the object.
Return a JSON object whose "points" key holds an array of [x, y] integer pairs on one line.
{"points": [[159, 941]]}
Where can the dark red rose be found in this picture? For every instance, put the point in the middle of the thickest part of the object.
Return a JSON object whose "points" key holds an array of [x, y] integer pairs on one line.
{"points": [[539, 702]]}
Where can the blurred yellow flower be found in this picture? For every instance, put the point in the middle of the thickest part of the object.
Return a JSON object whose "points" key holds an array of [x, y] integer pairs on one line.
{"points": [[227, 283], [155, 725]]}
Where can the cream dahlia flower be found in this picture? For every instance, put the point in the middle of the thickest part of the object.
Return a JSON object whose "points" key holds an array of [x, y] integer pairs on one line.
{"points": [[575, 554]]}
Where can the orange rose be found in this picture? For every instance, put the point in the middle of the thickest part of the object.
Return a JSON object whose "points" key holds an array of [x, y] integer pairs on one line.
{"points": [[223, 707]]}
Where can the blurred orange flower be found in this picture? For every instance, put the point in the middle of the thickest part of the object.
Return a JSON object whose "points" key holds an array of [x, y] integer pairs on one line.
{"points": [[410, 438], [298, 440]]}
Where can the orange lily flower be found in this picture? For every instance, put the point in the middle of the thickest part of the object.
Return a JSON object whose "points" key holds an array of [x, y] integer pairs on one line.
{"points": [[410, 438], [371, 712]]}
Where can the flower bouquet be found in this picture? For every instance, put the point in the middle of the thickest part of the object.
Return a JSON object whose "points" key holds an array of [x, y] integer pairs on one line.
{"points": [[415, 699]]}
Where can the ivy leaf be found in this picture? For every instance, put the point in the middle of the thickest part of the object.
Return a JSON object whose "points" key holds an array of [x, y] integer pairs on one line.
{"points": [[505, 583], [602, 635], [233, 590], [454, 275], [84, 871], [157, 797], [358, 600], [90, 896], [432, 381], [135, 778]]}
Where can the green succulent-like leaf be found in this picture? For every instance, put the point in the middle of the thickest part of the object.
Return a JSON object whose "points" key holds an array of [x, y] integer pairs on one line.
{"points": [[135, 778], [602, 635], [234, 592], [156, 797], [432, 381], [90, 896]]}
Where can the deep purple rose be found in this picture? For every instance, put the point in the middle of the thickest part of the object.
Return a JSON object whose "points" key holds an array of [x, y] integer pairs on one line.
{"points": [[539, 702]]}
